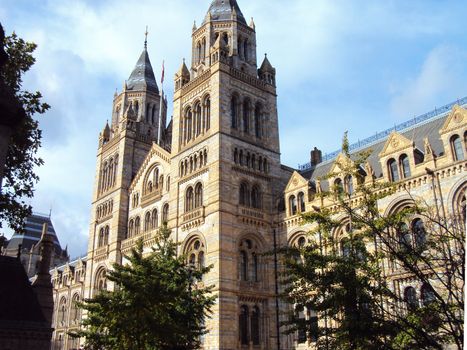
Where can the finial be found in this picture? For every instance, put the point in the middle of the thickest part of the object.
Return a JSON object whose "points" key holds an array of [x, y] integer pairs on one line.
{"points": [[146, 38], [194, 26]]}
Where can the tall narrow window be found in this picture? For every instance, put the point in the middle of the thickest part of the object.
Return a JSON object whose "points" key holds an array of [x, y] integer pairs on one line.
{"points": [[255, 197], [300, 314], [245, 50], [246, 116], [165, 214], [457, 149], [198, 119], [131, 228], [418, 230], [255, 329], [244, 195], [243, 325], [154, 219], [188, 125], [393, 170], [147, 221], [234, 112], [189, 199], [410, 297], [301, 202], [207, 113], [137, 225], [198, 195], [349, 184], [405, 165], [258, 121], [255, 267], [428, 294], [293, 205], [405, 237], [243, 266], [106, 235], [338, 186]]}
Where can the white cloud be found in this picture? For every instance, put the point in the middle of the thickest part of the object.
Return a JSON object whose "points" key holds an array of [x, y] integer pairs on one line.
{"points": [[333, 59], [437, 79]]}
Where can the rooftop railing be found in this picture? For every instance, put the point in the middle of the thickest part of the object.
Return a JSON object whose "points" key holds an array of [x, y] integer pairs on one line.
{"points": [[437, 112]]}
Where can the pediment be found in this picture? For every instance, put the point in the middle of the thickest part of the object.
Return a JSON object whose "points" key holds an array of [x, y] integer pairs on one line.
{"points": [[296, 181], [395, 143], [155, 154], [341, 163], [456, 119]]}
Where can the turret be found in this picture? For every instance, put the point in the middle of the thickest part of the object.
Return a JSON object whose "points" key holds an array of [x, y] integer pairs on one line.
{"points": [[182, 77], [267, 72]]}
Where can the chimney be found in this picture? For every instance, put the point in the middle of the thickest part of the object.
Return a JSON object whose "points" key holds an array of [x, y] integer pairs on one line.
{"points": [[316, 156], [42, 284]]}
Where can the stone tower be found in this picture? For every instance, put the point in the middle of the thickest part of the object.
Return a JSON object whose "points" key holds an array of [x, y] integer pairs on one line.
{"points": [[225, 105], [138, 120]]}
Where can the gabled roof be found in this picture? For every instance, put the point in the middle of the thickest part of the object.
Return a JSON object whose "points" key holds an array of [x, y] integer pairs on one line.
{"points": [[221, 10], [142, 77]]}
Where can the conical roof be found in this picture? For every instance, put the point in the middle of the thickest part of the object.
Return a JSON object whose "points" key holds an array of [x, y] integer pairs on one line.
{"points": [[221, 10], [142, 77], [266, 66]]}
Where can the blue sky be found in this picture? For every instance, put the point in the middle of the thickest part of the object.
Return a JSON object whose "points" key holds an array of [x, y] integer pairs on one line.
{"points": [[360, 65]]}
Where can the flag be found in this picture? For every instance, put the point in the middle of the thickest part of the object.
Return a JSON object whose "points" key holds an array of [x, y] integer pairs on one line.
{"points": [[163, 73]]}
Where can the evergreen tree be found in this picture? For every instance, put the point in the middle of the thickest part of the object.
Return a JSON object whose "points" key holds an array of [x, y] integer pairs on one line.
{"points": [[158, 303]]}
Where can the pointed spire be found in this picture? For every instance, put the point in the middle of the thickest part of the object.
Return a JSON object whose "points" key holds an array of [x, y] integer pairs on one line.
{"points": [[142, 77], [146, 38], [224, 10], [194, 26], [183, 71], [252, 24]]}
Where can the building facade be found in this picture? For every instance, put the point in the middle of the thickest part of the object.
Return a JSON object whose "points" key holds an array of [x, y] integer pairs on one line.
{"points": [[215, 176]]}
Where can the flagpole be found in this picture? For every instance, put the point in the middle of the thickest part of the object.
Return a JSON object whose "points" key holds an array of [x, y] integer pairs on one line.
{"points": [[159, 132]]}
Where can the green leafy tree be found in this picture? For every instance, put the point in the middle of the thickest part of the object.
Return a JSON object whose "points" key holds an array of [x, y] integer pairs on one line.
{"points": [[345, 278], [158, 303], [21, 161]]}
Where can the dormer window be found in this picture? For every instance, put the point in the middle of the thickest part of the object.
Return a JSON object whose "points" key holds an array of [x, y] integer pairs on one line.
{"points": [[349, 184], [457, 148], [339, 188], [393, 170], [405, 166], [301, 202]]}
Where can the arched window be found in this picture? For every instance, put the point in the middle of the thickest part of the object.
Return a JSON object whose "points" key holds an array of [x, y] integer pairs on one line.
{"points": [[131, 228], [338, 186], [410, 297], [244, 195], [243, 265], [246, 116], [75, 314], [255, 267], [405, 166], [393, 170], [301, 202], [188, 125], [62, 312], [198, 195], [196, 251], [154, 219], [167, 187], [136, 108], [106, 235], [256, 197], [348, 182], [293, 205], [243, 325], [147, 222], [419, 232], [189, 199], [255, 326], [234, 112], [100, 239], [236, 156], [137, 225], [258, 121], [457, 149], [165, 214], [427, 294], [100, 282], [405, 237], [245, 50], [207, 113], [201, 262], [198, 117]]}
